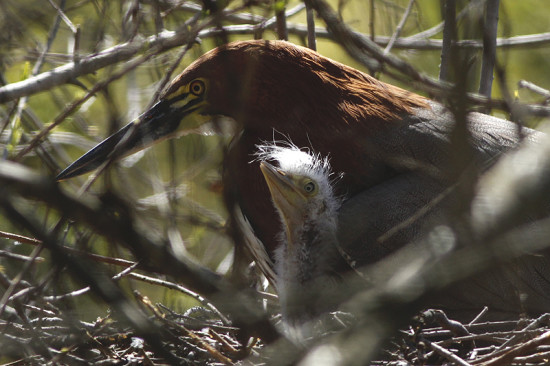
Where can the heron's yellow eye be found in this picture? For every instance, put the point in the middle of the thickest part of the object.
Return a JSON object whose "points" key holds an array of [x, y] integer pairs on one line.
{"points": [[310, 187], [197, 87]]}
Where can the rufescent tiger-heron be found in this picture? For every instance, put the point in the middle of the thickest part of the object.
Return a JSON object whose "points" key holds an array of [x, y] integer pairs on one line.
{"points": [[394, 147]]}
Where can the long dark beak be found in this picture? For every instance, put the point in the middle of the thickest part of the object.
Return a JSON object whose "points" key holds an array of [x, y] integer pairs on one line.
{"points": [[158, 123]]}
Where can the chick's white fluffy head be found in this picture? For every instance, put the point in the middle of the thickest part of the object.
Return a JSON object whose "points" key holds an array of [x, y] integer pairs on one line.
{"points": [[300, 162]]}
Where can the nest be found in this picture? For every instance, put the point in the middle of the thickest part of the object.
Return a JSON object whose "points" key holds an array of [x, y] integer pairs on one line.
{"points": [[40, 328]]}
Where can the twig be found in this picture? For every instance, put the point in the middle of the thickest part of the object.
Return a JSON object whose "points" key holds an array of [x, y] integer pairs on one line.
{"points": [[20, 238], [507, 357], [534, 88], [16, 181], [20, 257], [489, 47], [84, 290], [399, 27], [310, 18], [64, 17], [68, 72], [372, 19], [181, 289], [282, 32], [15, 282], [535, 323], [72, 107], [448, 355], [369, 54], [449, 37], [196, 339], [479, 316], [439, 27], [95, 257]]}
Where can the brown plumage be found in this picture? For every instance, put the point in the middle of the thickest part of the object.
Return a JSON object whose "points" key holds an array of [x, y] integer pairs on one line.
{"points": [[393, 147], [269, 86]]}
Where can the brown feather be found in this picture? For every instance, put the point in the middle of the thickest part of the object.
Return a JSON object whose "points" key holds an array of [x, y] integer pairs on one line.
{"points": [[365, 126], [277, 89]]}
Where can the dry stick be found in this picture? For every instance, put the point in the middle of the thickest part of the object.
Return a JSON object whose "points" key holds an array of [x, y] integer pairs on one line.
{"points": [[20, 257], [534, 88], [371, 20], [168, 40], [15, 282], [448, 355], [225, 345], [407, 43], [486, 327], [282, 32], [182, 289], [271, 22], [507, 357], [71, 108], [310, 18], [120, 262], [82, 291], [119, 53], [449, 36], [195, 338], [535, 323], [399, 27], [370, 55], [95, 257], [538, 357], [20, 238], [495, 337], [479, 316], [436, 29], [489, 47], [19, 107]]}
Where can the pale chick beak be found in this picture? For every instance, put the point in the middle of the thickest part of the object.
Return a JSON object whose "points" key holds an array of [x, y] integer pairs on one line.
{"points": [[288, 200]]}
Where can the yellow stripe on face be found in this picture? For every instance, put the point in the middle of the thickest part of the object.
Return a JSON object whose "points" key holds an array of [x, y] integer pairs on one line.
{"points": [[181, 90], [180, 103]]}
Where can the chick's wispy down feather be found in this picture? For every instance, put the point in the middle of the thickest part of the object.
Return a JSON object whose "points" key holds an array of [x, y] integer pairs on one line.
{"points": [[307, 259]]}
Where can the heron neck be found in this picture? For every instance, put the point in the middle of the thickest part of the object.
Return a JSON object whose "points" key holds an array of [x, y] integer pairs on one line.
{"points": [[309, 250]]}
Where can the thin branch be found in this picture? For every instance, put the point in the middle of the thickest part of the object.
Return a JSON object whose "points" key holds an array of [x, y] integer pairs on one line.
{"points": [[448, 355], [72, 107], [311, 40], [534, 88], [399, 27], [64, 17], [16, 180], [371, 56], [520, 350], [449, 38], [282, 32], [489, 47], [439, 27]]}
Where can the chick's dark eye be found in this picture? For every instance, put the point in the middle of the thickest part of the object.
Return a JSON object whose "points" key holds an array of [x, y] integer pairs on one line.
{"points": [[309, 187], [197, 87]]}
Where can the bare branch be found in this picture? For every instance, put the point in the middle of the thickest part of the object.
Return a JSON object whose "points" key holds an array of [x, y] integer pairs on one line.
{"points": [[489, 47], [311, 41], [449, 38], [399, 27]]}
